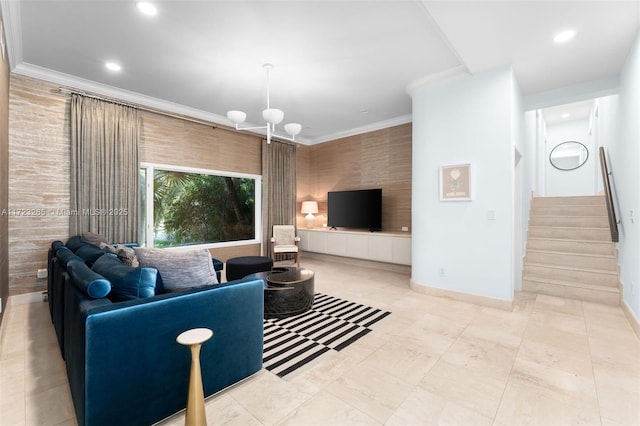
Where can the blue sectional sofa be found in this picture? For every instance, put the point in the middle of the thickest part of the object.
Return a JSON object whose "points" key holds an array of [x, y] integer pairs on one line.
{"points": [[123, 363]]}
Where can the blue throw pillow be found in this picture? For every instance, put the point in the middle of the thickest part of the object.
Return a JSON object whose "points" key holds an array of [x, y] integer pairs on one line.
{"points": [[90, 283], [89, 253], [127, 283], [66, 256]]}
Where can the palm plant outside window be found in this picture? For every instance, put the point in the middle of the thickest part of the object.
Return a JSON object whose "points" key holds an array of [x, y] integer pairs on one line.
{"points": [[198, 207]]}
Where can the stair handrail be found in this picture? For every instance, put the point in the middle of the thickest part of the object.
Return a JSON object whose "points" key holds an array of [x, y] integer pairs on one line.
{"points": [[611, 212]]}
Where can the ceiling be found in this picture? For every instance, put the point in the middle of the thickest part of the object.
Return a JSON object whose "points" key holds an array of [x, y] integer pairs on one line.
{"points": [[574, 111], [340, 67]]}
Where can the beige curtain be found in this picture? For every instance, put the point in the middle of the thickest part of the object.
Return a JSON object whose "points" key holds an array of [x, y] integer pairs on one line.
{"points": [[278, 188], [105, 179]]}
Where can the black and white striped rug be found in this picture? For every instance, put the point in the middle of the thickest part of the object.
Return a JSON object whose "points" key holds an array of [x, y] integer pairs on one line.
{"points": [[330, 324]]}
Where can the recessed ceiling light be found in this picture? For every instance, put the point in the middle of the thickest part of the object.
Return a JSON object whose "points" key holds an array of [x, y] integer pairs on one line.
{"points": [[112, 66], [566, 115], [147, 8], [564, 36]]}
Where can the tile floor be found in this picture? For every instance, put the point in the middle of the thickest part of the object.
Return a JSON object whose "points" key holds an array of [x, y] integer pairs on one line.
{"points": [[551, 361]]}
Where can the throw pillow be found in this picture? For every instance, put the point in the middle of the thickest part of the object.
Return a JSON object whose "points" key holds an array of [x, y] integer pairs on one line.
{"points": [[179, 270], [88, 281], [107, 247], [93, 238], [126, 282], [127, 255], [89, 253]]}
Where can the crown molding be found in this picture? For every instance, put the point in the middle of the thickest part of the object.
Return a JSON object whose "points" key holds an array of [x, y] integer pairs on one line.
{"points": [[11, 18], [75, 83], [403, 119]]}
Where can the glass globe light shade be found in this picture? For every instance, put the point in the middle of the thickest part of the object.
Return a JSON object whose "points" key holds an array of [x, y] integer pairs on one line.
{"points": [[236, 116], [293, 128], [273, 115]]}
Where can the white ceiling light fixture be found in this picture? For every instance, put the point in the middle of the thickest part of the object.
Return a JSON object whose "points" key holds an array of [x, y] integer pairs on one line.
{"points": [[272, 116], [147, 8], [564, 36]]}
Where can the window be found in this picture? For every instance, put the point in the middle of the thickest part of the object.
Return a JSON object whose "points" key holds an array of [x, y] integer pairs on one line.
{"points": [[185, 206]]}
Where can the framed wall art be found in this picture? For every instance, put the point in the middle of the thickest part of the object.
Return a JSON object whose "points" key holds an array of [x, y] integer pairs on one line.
{"points": [[455, 182]]}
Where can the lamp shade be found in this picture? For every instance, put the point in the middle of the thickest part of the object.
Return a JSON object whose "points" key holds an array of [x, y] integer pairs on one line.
{"points": [[309, 207], [273, 115], [293, 128], [236, 116]]}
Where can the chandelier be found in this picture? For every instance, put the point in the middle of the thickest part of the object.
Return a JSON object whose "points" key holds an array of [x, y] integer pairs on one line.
{"points": [[272, 116]]}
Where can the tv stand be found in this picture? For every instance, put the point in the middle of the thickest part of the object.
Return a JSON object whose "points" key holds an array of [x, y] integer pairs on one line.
{"points": [[376, 246]]}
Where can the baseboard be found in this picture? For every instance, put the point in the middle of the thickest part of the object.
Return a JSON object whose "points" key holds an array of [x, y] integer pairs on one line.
{"points": [[505, 305], [633, 320], [393, 267]]}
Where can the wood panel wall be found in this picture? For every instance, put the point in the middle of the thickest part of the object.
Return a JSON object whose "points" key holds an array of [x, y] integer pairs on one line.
{"points": [[39, 152], [4, 178], [379, 159]]}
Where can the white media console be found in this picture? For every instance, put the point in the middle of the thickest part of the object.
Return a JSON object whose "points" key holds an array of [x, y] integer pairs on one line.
{"points": [[375, 246]]}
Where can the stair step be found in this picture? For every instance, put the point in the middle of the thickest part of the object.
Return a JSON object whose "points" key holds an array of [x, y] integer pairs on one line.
{"points": [[564, 201], [573, 210], [588, 276], [570, 221], [571, 246], [576, 260], [570, 233], [570, 290], [569, 250]]}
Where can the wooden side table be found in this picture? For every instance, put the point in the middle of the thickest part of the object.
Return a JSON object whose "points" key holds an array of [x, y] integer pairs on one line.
{"points": [[194, 338]]}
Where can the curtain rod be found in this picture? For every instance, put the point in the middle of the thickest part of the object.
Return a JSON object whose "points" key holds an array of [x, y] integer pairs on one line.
{"points": [[140, 107]]}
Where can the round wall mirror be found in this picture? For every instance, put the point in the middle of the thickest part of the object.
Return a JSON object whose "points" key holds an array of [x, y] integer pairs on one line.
{"points": [[568, 155]]}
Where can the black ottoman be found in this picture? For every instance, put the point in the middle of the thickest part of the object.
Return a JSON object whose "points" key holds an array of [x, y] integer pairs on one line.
{"points": [[240, 267]]}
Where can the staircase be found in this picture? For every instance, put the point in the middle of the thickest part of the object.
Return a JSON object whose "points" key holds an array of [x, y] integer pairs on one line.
{"points": [[569, 250]]}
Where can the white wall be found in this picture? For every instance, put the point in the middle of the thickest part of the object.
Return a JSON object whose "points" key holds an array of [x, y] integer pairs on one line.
{"points": [[571, 182], [606, 127], [623, 149], [466, 119]]}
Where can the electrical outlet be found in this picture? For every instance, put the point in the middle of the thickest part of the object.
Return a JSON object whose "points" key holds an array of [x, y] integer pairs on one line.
{"points": [[42, 273], [405, 229], [442, 273]]}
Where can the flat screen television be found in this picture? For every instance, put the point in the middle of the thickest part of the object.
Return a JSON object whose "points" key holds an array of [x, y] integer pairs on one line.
{"points": [[355, 209]]}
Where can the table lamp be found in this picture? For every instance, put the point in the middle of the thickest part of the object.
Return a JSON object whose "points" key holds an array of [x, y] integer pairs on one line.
{"points": [[309, 208]]}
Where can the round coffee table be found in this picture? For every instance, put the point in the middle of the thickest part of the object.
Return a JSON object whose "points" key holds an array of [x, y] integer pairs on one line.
{"points": [[288, 291]]}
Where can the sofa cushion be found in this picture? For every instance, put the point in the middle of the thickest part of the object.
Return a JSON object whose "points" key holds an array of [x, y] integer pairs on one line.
{"points": [[179, 269], [89, 253], [127, 283], [87, 281], [75, 242]]}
